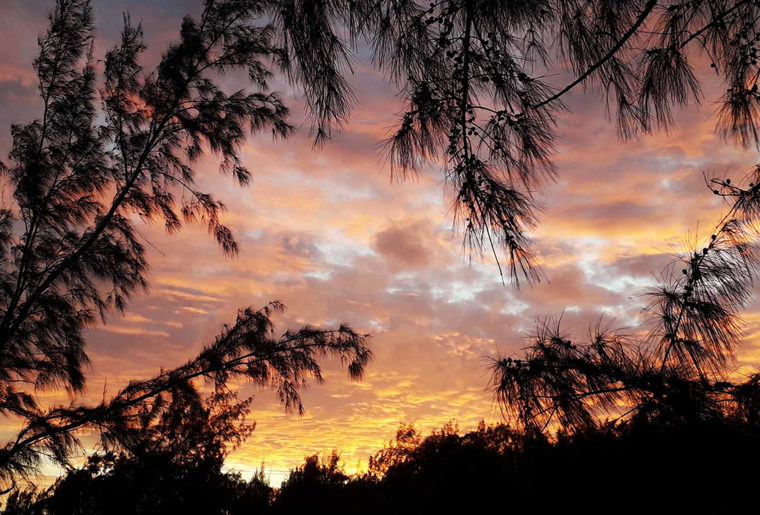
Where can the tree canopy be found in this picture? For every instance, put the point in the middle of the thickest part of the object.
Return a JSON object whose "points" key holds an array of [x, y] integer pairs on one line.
{"points": [[475, 76], [103, 156], [677, 367], [631, 467]]}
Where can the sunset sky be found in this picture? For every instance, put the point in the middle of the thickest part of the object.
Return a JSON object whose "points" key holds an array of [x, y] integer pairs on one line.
{"points": [[326, 232]]}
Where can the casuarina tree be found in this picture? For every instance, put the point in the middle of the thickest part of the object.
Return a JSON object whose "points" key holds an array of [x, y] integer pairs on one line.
{"points": [[474, 75], [675, 368], [103, 155]]}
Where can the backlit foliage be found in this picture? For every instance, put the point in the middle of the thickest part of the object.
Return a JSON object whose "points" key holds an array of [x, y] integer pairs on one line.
{"points": [[481, 101], [474, 75], [102, 156], [679, 369]]}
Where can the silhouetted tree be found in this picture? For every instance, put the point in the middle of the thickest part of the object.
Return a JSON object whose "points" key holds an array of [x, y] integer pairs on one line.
{"points": [[446, 471], [474, 74], [319, 484], [248, 349], [629, 466], [679, 370], [69, 246], [174, 467], [396, 452]]}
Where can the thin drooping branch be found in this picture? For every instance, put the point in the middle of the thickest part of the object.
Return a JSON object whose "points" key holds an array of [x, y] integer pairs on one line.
{"points": [[245, 350], [648, 8]]}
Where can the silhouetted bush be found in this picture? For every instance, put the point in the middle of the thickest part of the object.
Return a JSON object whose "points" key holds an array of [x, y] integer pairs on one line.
{"points": [[156, 484], [634, 466]]}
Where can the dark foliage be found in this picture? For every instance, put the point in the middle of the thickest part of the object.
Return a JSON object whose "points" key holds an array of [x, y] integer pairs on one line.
{"points": [[632, 467], [319, 484], [473, 73], [174, 468], [101, 157], [131, 419], [475, 77], [676, 368]]}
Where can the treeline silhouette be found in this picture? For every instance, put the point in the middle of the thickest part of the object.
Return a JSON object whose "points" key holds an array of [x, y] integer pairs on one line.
{"points": [[706, 467], [657, 420]]}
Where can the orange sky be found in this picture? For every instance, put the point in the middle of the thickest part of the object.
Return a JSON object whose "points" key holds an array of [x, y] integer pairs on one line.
{"points": [[325, 232]]}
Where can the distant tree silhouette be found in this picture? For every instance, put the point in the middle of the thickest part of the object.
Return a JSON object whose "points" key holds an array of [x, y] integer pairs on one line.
{"points": [[632, 466], [679, 371], [319, 484], [69, 246], [174, 467], [397, 451], [446, 471]]}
